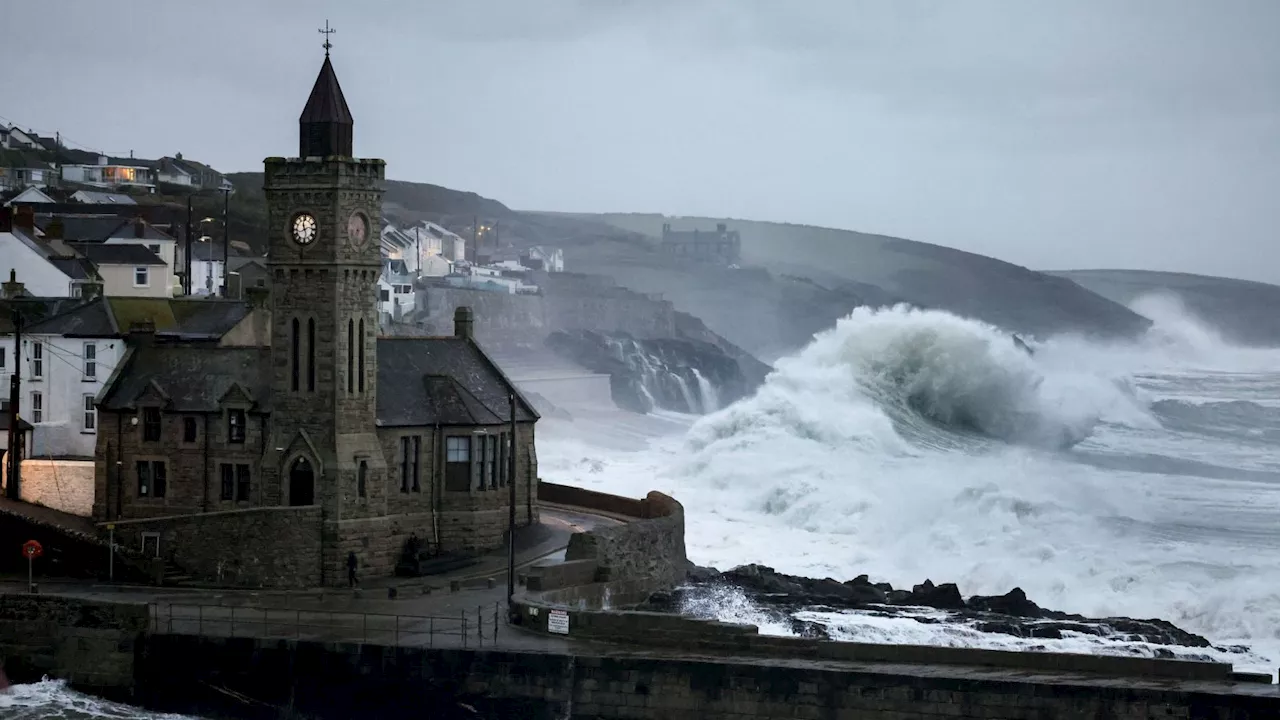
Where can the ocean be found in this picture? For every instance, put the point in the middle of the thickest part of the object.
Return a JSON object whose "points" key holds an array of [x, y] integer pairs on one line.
{"points": [[1103, 478]]}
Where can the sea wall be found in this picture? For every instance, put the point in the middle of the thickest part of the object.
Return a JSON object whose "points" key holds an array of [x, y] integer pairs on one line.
{"points": [[322, 681], [254, 547], [613, 565], [90, 644]]}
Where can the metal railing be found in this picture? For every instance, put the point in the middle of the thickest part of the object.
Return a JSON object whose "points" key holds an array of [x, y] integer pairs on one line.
{"points": [[474, 629]]}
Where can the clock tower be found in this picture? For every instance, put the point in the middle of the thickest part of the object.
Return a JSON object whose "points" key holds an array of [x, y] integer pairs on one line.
{"points": [[323, 210]]}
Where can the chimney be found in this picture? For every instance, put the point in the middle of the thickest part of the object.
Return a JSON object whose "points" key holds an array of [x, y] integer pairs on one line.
{"points": [[24, 218], [257, 295], [54, 230], [90, 290], [6, 219], [142, 333], [463, 323], [11, 287], [139, 228]]}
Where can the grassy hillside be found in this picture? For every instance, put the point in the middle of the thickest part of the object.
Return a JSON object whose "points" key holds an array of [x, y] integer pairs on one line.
{"points": [[928, 275]]}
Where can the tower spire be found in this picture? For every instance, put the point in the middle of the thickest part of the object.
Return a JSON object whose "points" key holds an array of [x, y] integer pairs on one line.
{"points": [[327, 31]]}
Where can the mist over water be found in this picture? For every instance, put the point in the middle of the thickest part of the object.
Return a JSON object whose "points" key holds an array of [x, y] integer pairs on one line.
{"points": [[1132, 479]]}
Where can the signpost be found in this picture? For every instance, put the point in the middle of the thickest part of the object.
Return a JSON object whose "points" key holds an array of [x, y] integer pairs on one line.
{"points": [[32, 550], [111, 557]]}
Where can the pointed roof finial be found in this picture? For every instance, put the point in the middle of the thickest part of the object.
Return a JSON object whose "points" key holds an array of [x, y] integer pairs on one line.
{"points": [[327, 31]]}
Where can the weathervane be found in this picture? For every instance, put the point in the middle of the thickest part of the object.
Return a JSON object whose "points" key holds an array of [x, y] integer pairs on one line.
{"points": [[327, 31]]}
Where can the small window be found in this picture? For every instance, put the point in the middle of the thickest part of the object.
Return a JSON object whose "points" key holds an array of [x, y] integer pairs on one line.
{"points": [[235, 426], [405, 449], [242, 482], [457, 474], [37, 407], [144, 478], [188, 429], [362, 478], [503, 450], [417, 455], [37, 360], [90, 361], [3, 352], [477, 464], [384, 295], [90, 415], [155, 248], [141, 277], [228, 482], [490, 461], [151, 424]]}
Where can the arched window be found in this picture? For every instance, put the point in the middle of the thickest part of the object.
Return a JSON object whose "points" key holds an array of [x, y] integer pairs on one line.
{"points": [[351, 356], [311, 354], [362, 344], [294, 357]]}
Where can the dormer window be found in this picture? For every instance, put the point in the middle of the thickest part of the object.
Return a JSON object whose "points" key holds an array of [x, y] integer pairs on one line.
{"points": [[151, 424], [235, 426]]}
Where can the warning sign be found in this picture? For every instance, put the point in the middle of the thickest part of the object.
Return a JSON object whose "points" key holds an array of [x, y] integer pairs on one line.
{"points": [[558, 622]]}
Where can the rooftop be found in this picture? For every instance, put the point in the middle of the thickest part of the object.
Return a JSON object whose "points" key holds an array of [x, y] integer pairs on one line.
{"points": [[117, 254]]}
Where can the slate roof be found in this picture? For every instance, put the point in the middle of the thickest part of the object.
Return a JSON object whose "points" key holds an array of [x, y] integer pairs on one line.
{"points": [[106, 198], [73, 268], [442, 380], [100, 228], [34, 310], [191, 378], [118, 254], [326, 103], [113, 316]]}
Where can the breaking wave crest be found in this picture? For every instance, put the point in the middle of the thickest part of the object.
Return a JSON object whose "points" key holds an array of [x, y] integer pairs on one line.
{"points": [[899, 378]]}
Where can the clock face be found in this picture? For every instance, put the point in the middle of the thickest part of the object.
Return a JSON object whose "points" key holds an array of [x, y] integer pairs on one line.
{"points": [[304, 229], [357, 229]]}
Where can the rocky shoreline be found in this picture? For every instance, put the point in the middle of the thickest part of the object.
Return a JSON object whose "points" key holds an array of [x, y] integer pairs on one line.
{"points": [[1011, 614]]}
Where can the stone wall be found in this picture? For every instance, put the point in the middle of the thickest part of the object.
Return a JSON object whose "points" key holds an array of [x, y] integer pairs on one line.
{"points": [[256, 547], [65, 485], [90, 644], [613, 565], [323, 681]]}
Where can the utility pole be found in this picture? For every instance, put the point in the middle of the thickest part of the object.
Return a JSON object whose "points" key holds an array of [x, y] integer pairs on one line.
{"points": [[226, 245], [186, 275], [14, 455], [475, 238], [511, 514]]}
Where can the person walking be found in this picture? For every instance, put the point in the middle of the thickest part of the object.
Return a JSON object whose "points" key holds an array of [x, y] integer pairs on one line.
{"points": [[351, 569]]}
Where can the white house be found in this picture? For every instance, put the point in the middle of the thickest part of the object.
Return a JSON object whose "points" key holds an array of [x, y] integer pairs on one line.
{"points": [[112, 230], [207, 269], [540, 257], [17, 139], [44, 272], [395, 288], [111, 173]]}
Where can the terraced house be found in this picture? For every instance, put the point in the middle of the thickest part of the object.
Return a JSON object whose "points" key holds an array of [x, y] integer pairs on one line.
{"points": [[267, 465]]}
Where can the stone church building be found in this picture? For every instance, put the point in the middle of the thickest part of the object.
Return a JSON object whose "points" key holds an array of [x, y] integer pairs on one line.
{"points": [[267, 465]]}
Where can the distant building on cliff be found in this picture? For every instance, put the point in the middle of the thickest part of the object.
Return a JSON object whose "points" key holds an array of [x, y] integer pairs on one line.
{"points": [[722, 246], [266, 463]]}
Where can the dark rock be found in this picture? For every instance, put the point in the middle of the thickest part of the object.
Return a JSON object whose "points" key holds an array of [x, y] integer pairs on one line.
{"points": [[943, 597], [662, 371], [703, 575], [1014, 603]]}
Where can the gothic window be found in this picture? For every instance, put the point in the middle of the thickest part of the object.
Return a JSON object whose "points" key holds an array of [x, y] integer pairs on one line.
{"points": [[294, 354], [362, 478], [361, 358], [351, 356], [311, 355]]}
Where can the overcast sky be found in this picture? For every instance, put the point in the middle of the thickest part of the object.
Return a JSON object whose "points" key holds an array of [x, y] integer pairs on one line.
{"points": [[1054, 134]]}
